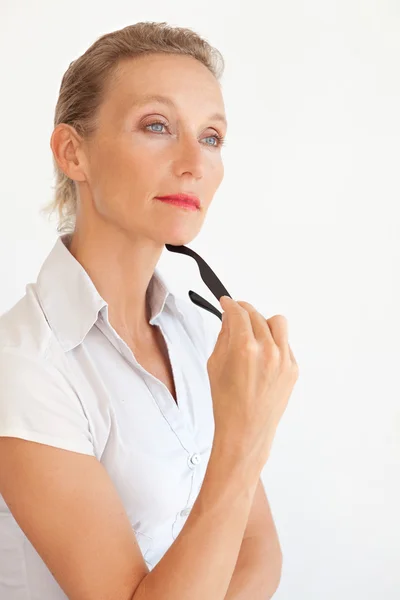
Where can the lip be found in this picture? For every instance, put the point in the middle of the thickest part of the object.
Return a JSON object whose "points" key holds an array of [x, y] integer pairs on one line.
{"points": [[183, 199]]}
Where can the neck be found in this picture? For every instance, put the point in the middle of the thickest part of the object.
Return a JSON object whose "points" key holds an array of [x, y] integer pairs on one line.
{"points": [[121, 269]]}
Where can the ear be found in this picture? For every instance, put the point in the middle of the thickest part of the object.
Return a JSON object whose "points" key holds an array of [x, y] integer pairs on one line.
{"points": [[68, 151]]}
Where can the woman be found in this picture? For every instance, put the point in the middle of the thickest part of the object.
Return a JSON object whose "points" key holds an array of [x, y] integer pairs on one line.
{"points": [[111, 442]]}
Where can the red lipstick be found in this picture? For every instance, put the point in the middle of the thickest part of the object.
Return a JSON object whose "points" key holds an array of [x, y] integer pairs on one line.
{"points": [[183, 200]]}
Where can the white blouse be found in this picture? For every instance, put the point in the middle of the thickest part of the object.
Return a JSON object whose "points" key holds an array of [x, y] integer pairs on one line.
{"points": [[67, 379]]}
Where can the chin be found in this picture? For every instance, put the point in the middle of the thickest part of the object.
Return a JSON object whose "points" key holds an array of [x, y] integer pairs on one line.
{"points": [[181, 238], [178, 240], [180, 235]]}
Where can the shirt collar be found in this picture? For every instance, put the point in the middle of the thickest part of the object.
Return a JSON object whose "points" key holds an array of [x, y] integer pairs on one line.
{"points": [[71, 302]]}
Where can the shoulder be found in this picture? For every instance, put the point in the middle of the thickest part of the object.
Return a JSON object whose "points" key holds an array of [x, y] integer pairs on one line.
{"points": [[32, 363], [24, 326], [37, 401]]}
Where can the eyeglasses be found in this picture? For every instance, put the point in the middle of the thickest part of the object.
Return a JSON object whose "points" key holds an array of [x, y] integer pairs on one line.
{"points": [[209, 278]]}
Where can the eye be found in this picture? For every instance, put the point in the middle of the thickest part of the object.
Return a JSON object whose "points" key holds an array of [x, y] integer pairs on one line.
{"points": [[219, 139], [155, 123]]}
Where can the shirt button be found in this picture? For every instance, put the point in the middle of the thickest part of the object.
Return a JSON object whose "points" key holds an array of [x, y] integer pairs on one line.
{"points": [[185, 512], [195, 459]]}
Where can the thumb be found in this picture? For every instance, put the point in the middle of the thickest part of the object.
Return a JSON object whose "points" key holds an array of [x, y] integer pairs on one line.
{"points": [[225, 320], [225, 326]]}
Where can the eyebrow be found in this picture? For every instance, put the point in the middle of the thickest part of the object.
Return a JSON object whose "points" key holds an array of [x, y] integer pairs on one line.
{"points": [[167, 100]]}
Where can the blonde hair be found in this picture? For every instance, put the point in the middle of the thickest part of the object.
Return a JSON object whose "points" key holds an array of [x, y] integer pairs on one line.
{"points": [[84, 85]]}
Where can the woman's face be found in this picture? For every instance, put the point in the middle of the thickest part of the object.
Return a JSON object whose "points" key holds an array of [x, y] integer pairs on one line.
{"points": [[132, 159]]}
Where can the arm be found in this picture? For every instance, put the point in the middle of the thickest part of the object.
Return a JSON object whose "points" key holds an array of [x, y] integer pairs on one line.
{"points": [[258, 569], [201, 561], [68, 508]]}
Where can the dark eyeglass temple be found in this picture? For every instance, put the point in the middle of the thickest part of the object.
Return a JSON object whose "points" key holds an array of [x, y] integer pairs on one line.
{"points": [[208, 276]]}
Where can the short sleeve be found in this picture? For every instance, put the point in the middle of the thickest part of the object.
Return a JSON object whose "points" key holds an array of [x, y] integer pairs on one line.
{"points": [[38, 404]]}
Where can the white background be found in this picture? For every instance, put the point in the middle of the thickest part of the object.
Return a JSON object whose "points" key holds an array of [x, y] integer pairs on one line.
{"points": [[305, 223]]}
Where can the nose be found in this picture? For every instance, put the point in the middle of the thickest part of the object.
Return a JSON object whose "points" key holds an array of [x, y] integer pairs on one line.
{"points": [[189, 157]]}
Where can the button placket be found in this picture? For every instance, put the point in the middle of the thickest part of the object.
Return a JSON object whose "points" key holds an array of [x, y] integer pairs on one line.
{"points": [[194, 460]]}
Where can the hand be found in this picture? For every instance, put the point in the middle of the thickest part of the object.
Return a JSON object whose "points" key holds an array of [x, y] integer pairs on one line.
{"points": [[252, 373]]}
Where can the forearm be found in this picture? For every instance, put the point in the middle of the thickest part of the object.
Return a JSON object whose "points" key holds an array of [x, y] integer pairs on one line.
{"points": [[257, 572], [201, 561]]}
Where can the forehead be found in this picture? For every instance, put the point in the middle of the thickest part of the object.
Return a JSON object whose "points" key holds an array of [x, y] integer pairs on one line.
{"points": [[179, 81]]}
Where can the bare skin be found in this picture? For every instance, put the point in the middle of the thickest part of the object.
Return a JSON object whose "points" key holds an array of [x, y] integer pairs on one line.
{"points": [[153, 356], [121, 229], [228, 547]]}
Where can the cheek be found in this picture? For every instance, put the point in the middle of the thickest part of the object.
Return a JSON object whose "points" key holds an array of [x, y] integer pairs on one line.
{"points": [[124, 163], [217, 173], [105, 162], [129, 176]]}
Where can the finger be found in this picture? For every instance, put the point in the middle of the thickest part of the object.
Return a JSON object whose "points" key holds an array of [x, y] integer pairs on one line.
{"points": [[279, 327], [260, 326], [224, 332], [292, 357], [238, 319]]}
